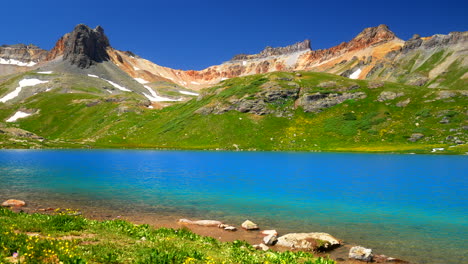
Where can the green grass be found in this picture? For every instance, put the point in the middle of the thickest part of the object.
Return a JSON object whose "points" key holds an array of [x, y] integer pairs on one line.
{"points": [[61, 237], [66, 120]]}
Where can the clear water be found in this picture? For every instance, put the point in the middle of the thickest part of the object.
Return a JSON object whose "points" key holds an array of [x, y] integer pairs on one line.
{"points": [[409, 206]]}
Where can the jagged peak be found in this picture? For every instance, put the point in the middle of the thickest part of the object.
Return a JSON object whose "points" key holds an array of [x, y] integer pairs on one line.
{"points": [[375, 34], [270, 51], [84, 46]]}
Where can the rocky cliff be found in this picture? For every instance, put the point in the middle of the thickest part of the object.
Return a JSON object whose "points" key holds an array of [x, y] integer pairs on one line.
{"points": [[21, 53], [269, 51], [85, 46]]}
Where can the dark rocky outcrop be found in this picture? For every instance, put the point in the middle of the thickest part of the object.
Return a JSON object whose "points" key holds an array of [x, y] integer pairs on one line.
{"points": [[316, 102], [85, 46], [269, 51]]}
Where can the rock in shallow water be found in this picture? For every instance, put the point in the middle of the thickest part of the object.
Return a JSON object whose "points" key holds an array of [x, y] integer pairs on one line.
{"points": [[361, 253], [309, 241], [200, 222], [13, 202], [249, 225]]}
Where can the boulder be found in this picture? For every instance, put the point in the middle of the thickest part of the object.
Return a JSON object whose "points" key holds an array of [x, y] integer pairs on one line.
{"points": [[270, 240], [249, 225], [308, 241], [227, 227], [386, 95], [361, 253], [200, 222], [445, 120], [445, 95], [375, 84], [415, 137], [13, 203], [261, 247], [269, 232], [403, 103]]}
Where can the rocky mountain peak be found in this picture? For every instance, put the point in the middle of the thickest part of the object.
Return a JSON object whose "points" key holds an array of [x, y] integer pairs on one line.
{"points": [[372, 35], [269, 51], [84, 46]]}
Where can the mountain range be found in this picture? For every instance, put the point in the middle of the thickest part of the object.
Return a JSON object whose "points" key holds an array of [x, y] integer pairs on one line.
{"points": [[375, 92]]}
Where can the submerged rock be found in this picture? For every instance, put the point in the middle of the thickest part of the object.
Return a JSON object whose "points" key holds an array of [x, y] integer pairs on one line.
{"points": [[309, 241], [269, 232], [361, 253], [13, 203], [249, 225], [200, 222]]}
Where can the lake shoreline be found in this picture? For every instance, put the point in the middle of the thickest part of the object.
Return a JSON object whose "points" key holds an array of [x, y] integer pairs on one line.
{"points": [[253, 237]]}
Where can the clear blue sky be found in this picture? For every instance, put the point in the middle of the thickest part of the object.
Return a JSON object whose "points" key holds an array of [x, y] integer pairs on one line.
{"points": [[197, 34]]}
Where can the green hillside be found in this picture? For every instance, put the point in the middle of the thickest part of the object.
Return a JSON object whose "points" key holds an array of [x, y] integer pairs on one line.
{"points": [[277, 111]]}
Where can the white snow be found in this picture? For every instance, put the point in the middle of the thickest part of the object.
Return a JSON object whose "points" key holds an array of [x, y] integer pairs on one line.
{"points": [[45, 72], [17, 116], [224, 78], [136, 68], [188, 93], [142, 81], [244, 63], [31, 82], [17, 62], [355, 74], [117, 86], [154, 97], [195, 83], [111, 83], [150, 107], [437, 149], [22, 83]]}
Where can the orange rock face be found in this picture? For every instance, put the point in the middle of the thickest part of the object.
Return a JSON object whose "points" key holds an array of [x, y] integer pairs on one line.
{"points": [[59, 48]]}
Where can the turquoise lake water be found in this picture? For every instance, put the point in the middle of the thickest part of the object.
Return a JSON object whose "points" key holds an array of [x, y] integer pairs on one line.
{"points": [[412, 207]]}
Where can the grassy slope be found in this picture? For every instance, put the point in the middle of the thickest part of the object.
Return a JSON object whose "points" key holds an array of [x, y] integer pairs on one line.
{"points": [[65, 120], [64, 238]]}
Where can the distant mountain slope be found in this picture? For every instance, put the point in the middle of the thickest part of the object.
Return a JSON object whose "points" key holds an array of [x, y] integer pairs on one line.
{"points": [[84, 93], [374, 54]]}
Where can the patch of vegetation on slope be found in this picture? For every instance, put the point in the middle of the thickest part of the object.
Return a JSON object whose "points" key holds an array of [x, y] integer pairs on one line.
{"points": [[303, 111]]}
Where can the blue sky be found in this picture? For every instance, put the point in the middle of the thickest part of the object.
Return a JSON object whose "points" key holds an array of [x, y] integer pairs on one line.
{"points": [[197, 34]]}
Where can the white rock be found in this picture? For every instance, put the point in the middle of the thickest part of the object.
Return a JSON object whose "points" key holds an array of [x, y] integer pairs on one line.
{"points": [[270, 240], [361, 253], [311, 241], [200, 222], [261, 246], [269, 232], [249, 225]]}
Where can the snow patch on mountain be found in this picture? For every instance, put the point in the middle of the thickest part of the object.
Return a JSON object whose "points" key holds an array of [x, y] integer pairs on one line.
{"points": [[22, 83], [355, 74], [17, 62], [154, 97], [17, 116], [188, 93], [142, 81]]}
